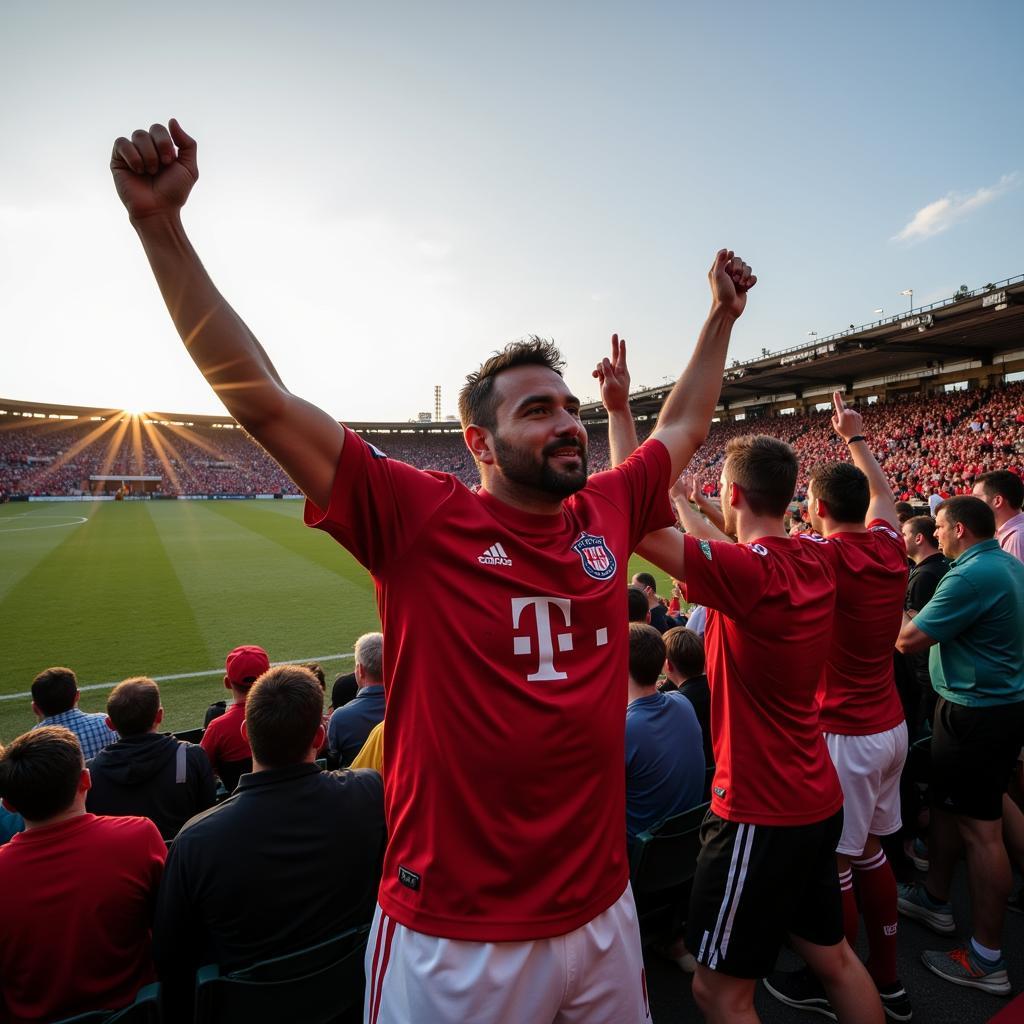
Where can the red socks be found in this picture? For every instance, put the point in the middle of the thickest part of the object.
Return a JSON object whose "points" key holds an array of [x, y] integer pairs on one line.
{"points": [[876, 887]]}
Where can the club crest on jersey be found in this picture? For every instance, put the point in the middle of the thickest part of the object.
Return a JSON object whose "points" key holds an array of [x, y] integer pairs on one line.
{"points": [[598, 561], [705, 546]]}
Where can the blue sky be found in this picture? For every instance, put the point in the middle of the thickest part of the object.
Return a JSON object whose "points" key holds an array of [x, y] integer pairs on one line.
{"points": [[389, 192]]}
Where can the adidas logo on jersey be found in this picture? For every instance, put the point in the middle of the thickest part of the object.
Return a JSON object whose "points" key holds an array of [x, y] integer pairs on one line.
{"points": [[494, 555]]}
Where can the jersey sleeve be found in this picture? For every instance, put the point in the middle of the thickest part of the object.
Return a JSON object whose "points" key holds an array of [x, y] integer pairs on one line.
{"points": [[953, 607], [727, 577], [378, 505], [639, 487]]}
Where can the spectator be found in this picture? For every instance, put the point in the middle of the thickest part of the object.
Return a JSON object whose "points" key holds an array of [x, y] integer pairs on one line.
{"points": [[904, 511], [10, 824], [344, 689], [146, 773], [697, 622], [929, 566], [317, 835], [861, 714], [223, 740], [646, 583], [76, 890], [637, 607], [684, 671], [351, 724], [974, 624], [664, 752], [1003, 492], [55, 698], [372, 753]]}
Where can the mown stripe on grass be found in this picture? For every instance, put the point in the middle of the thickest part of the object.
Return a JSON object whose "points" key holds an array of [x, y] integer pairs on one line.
{"points": [[106, 602], [29, 532]]}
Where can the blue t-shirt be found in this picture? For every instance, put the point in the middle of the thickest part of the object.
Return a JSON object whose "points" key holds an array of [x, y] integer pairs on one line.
{"points": [[351, 724], [664, 760], [977, 616]]}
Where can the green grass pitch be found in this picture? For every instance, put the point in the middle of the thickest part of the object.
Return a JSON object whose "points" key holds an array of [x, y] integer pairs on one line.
{"points": [[155, 588]]}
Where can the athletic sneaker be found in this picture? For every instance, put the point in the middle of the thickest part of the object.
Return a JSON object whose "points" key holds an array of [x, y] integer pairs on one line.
{"points": [[896, 1002], [913, 901], [802, 990], [917, 852], [964, 967]]}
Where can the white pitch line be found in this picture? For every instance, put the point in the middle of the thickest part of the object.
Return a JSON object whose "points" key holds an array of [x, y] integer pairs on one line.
{"points": [[76, 521], [184, 675]]}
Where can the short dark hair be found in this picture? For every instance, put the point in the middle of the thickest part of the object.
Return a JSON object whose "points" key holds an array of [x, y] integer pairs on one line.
{"points": [[684, 651], [844, 489], [646, 654], [1005, 483], [284, 710], [132, 705], [54, 689], [979, 519], [40, 771], [477, 401], [645, 579], [765, 468], [904, 510], [923, 525], [639, 609]]}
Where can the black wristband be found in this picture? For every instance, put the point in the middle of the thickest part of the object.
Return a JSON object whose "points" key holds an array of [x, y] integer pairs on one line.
{"points": [[856, 438]]}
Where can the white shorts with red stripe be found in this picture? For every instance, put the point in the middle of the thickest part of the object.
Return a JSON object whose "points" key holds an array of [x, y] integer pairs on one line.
{"points": [[594, 975]]}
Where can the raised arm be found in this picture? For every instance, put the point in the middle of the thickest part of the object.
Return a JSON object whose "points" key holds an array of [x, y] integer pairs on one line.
{"points": [[848, 424], [154, 172], [686, 413], [613, 377], [683, 492]]}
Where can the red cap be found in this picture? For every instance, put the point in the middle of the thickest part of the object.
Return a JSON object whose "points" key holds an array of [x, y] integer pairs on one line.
{"points": [[245, 664]]}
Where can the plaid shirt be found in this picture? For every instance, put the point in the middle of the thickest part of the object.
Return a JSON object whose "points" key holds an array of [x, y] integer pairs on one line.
{"points": [[91, 730]]}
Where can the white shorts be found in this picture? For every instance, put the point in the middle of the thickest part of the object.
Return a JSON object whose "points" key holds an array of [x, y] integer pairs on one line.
{"points": [[869, 770], [594, 975]]}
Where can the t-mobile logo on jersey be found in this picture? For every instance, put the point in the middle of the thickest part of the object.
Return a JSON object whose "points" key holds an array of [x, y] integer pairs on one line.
{"points": [[546, 636]]}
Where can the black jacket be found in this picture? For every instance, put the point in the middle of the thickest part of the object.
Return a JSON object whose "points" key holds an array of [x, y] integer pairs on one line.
{"points": [[138, 775]]}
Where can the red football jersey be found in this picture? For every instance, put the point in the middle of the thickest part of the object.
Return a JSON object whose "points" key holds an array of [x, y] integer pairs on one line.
{"points": [[505, 668], [858, 693], [770, 606], [223, 740]]}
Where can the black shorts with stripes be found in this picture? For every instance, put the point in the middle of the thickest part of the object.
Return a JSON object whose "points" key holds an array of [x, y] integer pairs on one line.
{"points": [[756, 884]]}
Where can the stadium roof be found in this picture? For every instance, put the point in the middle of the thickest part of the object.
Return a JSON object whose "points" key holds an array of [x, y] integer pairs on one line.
{"points": [[977, 326]]}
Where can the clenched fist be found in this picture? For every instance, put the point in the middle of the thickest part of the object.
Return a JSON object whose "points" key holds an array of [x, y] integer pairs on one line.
{"points": [[154, 171]]}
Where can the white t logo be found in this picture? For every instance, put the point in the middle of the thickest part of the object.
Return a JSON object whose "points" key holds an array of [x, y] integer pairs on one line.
{"points": [[546, 639]]}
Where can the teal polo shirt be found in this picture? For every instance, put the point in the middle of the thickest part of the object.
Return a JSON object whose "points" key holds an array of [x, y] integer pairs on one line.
{"points": [[977, 617]]}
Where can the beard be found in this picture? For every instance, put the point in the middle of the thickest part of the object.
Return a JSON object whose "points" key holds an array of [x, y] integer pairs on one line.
{"points": [[540, 474]]}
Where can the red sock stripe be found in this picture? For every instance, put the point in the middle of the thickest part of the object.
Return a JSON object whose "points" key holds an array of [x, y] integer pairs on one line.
{"points": [[377, 983]]}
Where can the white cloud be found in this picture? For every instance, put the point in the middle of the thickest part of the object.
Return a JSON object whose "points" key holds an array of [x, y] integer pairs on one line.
{"points": [[939, 216]]}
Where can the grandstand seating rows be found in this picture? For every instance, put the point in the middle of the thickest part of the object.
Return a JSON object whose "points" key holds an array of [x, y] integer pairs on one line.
{"points": [[926, 445]]}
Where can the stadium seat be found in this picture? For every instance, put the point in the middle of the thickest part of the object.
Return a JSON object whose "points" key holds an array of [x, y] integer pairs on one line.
{"points": [[230, 772], [662, 864], [319, 985], [189, 735], [145, 1010]]}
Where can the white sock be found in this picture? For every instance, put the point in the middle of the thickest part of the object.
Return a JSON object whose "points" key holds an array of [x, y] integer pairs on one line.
{"points": [[985, 952]]}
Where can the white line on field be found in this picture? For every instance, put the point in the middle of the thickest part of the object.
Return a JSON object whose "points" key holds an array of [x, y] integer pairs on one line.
{"points": [[75, 521], [185, 675]]}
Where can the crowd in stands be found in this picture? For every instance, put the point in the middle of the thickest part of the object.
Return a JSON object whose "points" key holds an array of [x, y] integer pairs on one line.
{"points": [[934, 445]]}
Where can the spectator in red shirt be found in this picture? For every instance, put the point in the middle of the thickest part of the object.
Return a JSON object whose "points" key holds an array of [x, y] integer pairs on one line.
{"points": [[76, 890], [224, 743]]}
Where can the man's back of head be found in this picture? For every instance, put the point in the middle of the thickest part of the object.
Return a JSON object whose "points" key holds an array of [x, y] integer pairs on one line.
{"points": [[841, 496], [639, 607], [369, 658], [283, 717], [646, 655], [133, 706], [54, 691], [41, 774], [764, 469], [684, 653]]}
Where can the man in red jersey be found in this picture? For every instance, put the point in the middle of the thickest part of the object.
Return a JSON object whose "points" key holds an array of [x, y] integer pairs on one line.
{"points": [[861, 712], [76, 890], [505, 794], [767, 864]]}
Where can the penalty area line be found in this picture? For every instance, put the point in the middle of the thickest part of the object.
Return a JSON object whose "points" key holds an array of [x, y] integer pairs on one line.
{"points": [[185, 675]]}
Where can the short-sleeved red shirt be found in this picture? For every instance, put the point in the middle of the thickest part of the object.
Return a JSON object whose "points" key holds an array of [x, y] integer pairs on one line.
{"points": [[770, 606], [76, 905], [858, 693], [506, 689], [223, 740]]}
